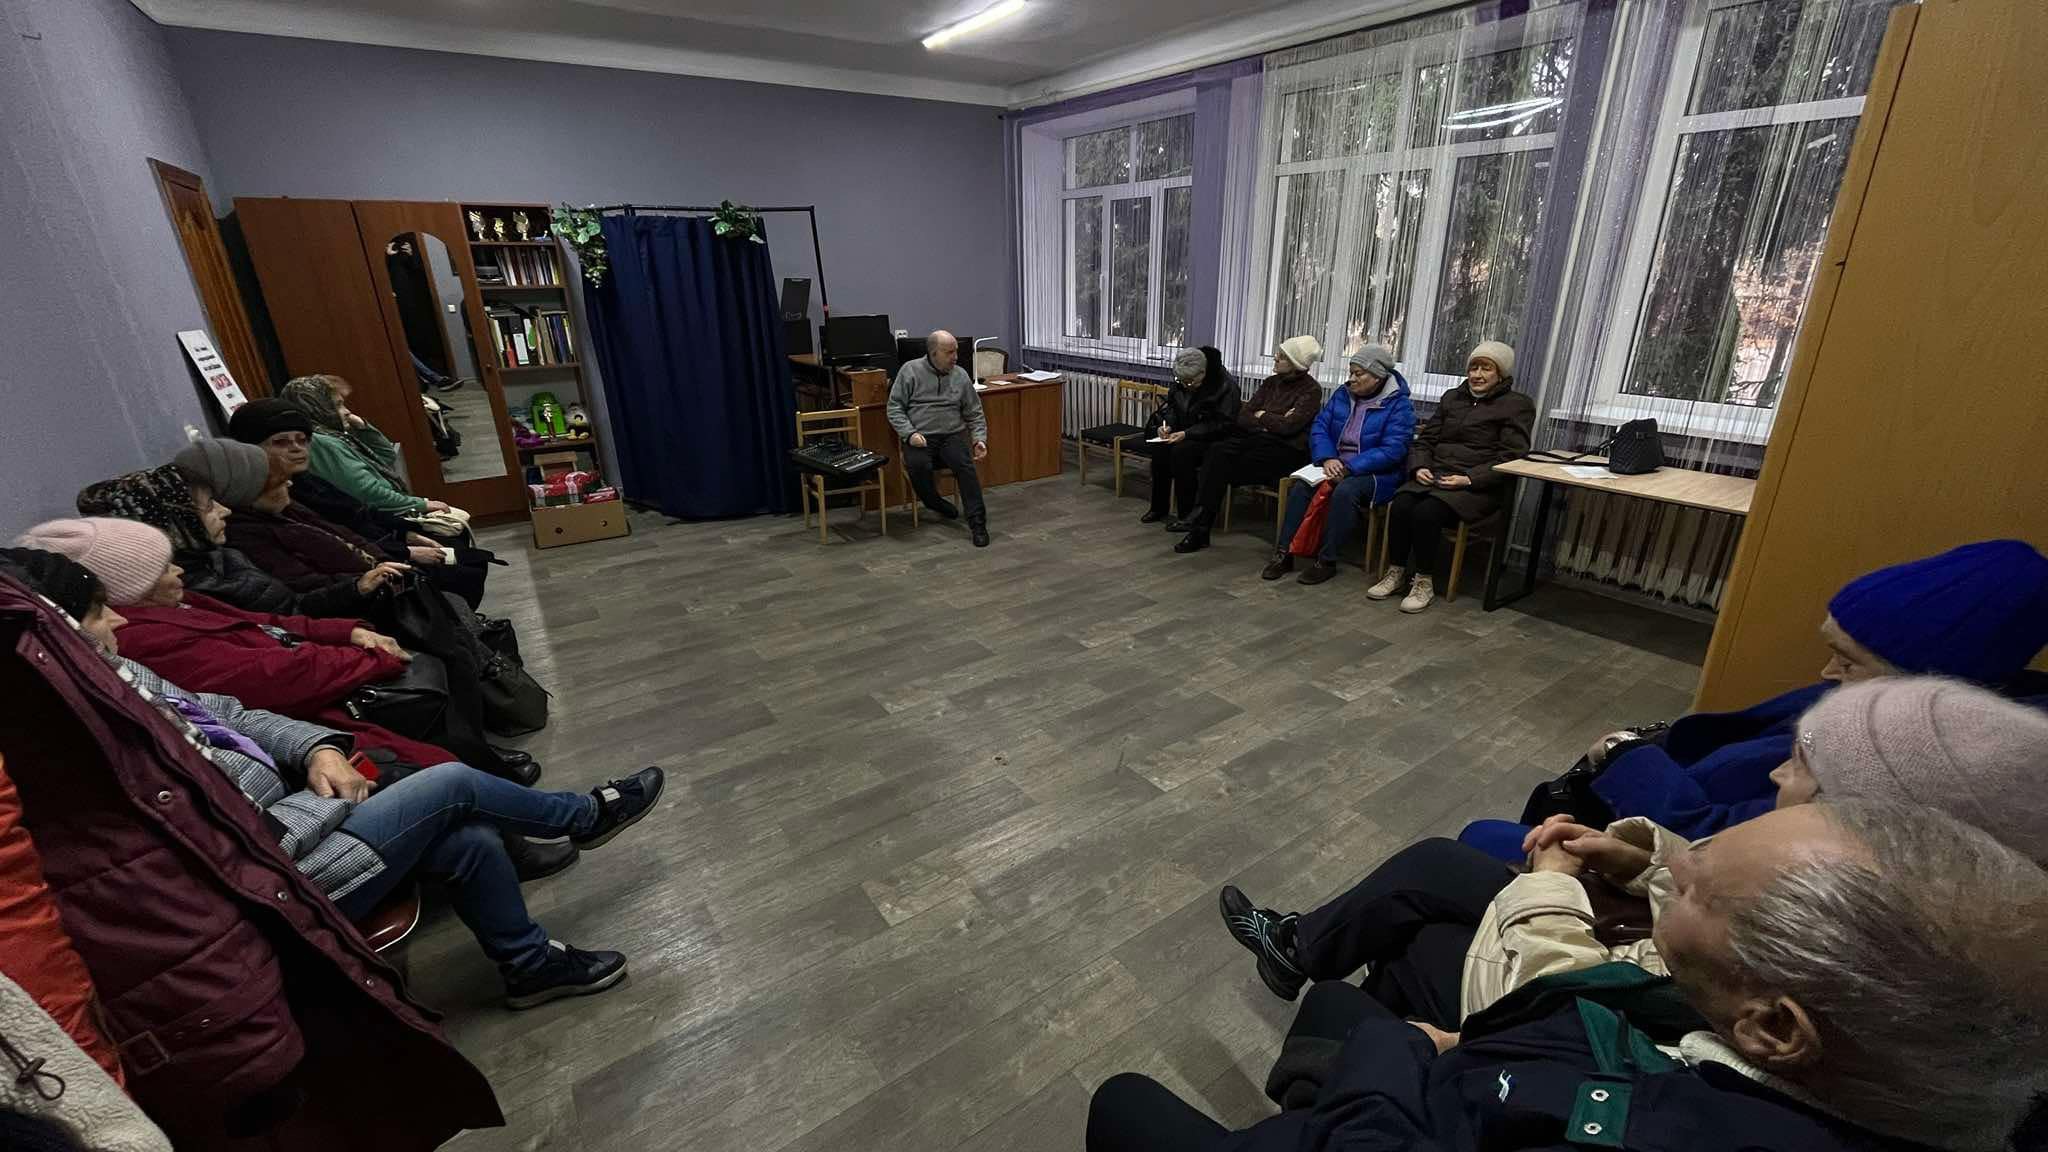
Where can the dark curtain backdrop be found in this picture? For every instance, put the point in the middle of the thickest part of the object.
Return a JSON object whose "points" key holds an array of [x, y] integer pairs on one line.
{"points": [[688, 334]]}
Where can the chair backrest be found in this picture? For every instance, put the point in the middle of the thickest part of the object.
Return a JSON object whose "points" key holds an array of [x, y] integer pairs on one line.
{"points": [[393, 919], [830, 424], [1135, 400], [990, 362]]}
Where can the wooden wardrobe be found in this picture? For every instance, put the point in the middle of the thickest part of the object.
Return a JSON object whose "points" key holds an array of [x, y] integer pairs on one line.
{"points": [[326, 274], [1914, 418]]}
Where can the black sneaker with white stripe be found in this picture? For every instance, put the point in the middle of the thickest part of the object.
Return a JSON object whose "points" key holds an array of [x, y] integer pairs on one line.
{"points": [[620, 803], [1270, 937], [565, 971]]}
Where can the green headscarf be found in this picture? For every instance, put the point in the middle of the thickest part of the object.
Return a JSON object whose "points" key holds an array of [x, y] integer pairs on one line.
{"points": [[314, 395]]}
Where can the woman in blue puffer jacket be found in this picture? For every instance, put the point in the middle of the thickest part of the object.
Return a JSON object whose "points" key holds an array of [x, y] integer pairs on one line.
{"points": [[1361, 440]]}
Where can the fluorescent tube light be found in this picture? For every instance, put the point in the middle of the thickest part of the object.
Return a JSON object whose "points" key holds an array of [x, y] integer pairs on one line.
{"points": [[975, 23]]}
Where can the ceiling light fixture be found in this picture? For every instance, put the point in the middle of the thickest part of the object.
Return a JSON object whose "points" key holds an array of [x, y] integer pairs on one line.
{"points": [[975, 23]]}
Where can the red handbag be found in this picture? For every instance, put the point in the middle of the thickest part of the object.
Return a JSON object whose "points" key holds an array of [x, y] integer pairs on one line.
{"points": [[1308, 539]]}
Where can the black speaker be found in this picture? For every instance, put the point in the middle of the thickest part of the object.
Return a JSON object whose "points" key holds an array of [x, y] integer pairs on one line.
{"points": [[796, 314]]}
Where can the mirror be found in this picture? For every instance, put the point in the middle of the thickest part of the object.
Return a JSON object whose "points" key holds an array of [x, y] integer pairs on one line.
{"points": [[433, 308]]}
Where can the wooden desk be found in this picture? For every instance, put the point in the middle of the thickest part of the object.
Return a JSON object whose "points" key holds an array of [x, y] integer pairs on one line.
{"points": [[1023, 435], [1681, 486]]}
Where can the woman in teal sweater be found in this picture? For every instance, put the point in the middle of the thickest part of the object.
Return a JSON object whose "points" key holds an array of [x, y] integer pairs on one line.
{"points": [[350, 454]]}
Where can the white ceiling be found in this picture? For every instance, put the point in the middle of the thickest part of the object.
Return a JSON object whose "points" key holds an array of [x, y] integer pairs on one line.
{"points": [[1054, 48]]}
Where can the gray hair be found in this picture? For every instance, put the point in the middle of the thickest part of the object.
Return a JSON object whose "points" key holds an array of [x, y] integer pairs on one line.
{"points": [[1924, 967]]}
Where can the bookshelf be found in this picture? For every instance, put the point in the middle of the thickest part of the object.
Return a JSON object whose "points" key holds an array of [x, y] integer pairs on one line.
{"points": [[536, 344]]}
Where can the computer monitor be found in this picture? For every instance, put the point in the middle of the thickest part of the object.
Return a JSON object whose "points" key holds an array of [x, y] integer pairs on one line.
{"points": [[855, 338]]}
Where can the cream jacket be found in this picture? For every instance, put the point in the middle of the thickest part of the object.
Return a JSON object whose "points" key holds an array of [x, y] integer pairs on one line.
{"points": [[1541, 924]]}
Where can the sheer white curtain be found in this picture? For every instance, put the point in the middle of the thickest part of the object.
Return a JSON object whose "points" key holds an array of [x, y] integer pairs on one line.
{"points": [[1724, 131], [1399, 189]]}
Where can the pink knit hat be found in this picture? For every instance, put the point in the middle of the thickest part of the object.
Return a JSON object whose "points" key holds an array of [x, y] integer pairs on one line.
{"points": [[1949, 745], [128, 556]]}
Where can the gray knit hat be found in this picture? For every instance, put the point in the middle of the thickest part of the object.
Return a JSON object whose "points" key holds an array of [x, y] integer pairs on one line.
{"points": [[1949, 745], [237, 472], [1376, 359], [1189, 365]]}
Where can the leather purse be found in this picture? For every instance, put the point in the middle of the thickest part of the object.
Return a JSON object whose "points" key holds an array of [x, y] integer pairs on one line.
{"points": [[1635, 449]]}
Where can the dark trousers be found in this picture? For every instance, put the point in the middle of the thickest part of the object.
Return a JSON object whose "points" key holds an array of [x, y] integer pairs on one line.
{"points": [[1245, 460], [1135, 1113], [953, 451], [1176, 468], [1416, 522], [1412, 919], [1348, 503]]}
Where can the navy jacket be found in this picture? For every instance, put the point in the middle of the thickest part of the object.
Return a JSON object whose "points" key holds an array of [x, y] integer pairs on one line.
{"points": [[1516, 1091], [1382, 439]]}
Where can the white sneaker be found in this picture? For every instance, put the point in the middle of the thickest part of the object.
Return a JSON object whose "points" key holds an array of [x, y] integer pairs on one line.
{"points": [[1421, 595], [1388, 585]]}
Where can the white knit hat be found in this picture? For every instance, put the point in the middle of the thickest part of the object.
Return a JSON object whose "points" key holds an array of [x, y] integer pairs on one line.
{"points": [[1303, 350], [1503, 357], [128, 556], [1949, 745]]}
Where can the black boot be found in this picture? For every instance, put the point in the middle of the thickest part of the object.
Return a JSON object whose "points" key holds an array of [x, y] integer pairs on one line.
{"points": [[943, 507], [513, 765], [1269, 936], [1196, 540], [1280, 565], [1197, 519], [978, 527], [1152, 516]]}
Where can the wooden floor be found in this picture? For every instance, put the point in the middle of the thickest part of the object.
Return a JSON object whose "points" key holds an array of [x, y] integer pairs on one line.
{"points": [[944, 827]]}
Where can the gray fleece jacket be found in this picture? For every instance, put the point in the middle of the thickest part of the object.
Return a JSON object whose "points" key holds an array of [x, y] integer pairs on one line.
{"points": [[923, 401]]}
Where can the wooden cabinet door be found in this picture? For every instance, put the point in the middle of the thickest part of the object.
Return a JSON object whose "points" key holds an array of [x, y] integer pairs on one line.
{"points": [[199, 235]]}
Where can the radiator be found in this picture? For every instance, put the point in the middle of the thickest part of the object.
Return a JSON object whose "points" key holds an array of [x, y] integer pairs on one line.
{"points": [[1090, 400], [1677, 554]]}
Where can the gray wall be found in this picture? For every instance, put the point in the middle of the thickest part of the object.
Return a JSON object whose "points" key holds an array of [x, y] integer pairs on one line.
{"points": [[93, 289], [909, 192]]}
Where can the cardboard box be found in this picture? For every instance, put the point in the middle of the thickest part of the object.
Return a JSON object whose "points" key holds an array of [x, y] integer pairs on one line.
{"points": [[578, 524]]}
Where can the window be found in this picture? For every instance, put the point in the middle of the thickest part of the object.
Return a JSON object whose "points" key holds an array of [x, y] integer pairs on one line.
{"points": [[1127, 203], [1758, 120], [1405, 183]]}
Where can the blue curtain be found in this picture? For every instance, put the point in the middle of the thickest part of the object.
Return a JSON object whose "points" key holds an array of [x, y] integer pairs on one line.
{"points": [[688, 333]]}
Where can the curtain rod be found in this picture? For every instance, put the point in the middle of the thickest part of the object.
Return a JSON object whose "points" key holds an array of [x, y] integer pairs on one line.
{"points": [[810, 210]]}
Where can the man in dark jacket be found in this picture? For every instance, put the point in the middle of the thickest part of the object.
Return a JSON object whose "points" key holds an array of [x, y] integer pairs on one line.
{"points": [[1866, 976], [1196, 414], [1271, 440]]}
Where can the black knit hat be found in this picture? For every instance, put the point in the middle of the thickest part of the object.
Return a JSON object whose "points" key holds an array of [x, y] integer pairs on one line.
{"points": [[63, 580], [259, 420]]}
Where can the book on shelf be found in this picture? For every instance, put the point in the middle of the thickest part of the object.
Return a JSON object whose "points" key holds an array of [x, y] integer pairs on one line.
{"points": [[523, 268], [530, 337]]}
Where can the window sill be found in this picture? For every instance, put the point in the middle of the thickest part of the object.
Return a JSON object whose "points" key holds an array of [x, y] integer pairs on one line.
{"points": [[1705, 421]]}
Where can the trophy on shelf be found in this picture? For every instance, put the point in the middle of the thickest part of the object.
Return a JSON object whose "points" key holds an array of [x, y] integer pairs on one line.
{"points": [[522, 225], [498, 226], [476, 225]]}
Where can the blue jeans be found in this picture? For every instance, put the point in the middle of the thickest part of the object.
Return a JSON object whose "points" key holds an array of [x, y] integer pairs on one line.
{"points": [[1352, 497], [443, 824]]}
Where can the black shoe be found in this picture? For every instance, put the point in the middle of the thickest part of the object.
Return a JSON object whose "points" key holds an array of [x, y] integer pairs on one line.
{"points": [[1152, 516], [945, 510], [1196, 540], [536, 859], [1317, 572], [1280, 565], [514, 765], [620, 803], [1269, 936], [1188, 523], [566, 972], [980, 532]]}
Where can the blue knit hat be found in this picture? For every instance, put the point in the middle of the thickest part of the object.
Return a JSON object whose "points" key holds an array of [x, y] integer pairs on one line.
{"points": [[1979, 612]]}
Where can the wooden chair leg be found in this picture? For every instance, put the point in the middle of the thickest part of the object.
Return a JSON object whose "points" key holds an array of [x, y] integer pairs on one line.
{"points": [[1116, 461], [1081, 454], [882, 502], [1457, 561], [1386, 531], [1372, 540], [822, 537], [1229, 498], [1280, 507]]}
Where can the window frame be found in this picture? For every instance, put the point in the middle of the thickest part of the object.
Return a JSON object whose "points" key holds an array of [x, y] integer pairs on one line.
{"points": [[1740, 422], [1439, 160], [1154, 190]]}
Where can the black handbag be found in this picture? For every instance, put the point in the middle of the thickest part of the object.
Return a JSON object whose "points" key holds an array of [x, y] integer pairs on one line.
{"points": [[514, 702], [1635, 449], [413, 703], [498, 636]]}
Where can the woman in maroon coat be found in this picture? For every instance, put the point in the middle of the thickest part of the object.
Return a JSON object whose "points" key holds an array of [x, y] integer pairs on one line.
{"points": [[247, 1010]]}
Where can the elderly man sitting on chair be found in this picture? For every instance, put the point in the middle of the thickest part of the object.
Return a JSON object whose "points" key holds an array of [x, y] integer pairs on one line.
{"points": [[933, 406]]}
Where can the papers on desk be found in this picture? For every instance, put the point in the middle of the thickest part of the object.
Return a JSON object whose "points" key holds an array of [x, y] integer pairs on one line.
{"points": [[980, 387], [1310, 474], [1039, 377], [1586, 471]]}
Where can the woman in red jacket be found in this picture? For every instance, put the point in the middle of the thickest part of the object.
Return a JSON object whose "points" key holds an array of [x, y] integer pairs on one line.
{"points": [[310, 669]]}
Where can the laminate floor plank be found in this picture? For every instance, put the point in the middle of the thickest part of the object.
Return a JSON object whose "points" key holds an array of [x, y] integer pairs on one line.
{"points": [[945, 826]]}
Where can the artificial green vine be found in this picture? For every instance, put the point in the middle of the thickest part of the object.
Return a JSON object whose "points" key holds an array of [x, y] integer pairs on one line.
{"points": [[583, 229], [736, 220]]}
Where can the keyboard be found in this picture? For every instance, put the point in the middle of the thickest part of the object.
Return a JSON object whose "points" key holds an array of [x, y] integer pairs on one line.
{"points": [[837, 459]]}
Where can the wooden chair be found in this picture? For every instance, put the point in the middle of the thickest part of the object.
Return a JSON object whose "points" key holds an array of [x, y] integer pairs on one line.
{"points": [[1277, 494], [1134, 403], [1487, 528], [386, 927], [836, 424], [990, 362]]}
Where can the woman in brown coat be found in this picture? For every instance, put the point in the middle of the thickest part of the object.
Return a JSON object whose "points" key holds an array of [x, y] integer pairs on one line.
{"points": [[1477, 425]]}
